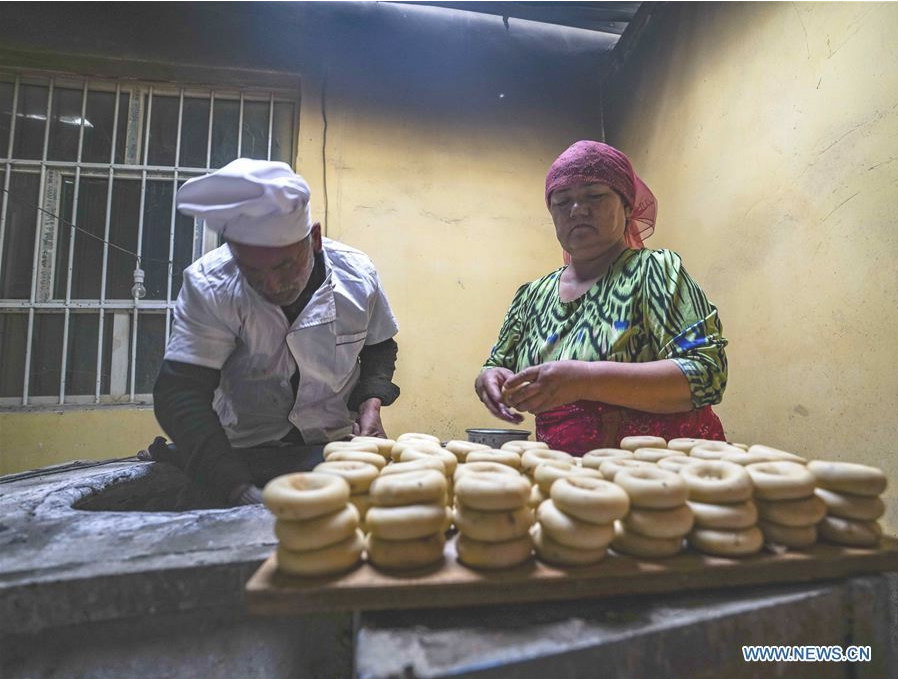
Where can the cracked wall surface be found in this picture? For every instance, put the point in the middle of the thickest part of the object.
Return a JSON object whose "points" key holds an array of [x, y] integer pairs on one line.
{"points": [[769, 133]]}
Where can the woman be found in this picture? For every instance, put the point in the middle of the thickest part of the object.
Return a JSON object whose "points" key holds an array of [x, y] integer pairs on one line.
{"points": [[621, 341]]}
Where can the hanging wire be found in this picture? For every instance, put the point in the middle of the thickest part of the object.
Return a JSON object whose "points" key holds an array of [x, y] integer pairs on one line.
{"points": [[85, 231]]}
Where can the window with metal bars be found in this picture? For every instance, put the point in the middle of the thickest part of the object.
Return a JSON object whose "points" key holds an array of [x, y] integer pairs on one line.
{"points": [[89, 170]]}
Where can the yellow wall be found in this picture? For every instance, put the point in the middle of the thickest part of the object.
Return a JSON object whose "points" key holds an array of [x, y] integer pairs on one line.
{"points": [[435, 159], [45, 437], [769, 133]]}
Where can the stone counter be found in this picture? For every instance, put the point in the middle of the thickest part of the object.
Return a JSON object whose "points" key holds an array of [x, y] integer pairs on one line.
{"points": [[97, 579]]}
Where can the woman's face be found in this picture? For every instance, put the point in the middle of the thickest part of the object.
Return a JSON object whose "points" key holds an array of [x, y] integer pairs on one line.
{"points": [[590, 219]]}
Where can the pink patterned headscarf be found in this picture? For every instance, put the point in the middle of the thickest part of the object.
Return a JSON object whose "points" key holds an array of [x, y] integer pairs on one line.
{"points": [[586, 162]]}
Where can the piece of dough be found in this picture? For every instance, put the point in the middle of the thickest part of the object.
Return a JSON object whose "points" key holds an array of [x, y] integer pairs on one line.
{"points": [[494, 555], [329, 560], [634, 442], [495, 526], [406, 522], [358, 475], [849, 477], [717, 481], [732, 516], [594, 458], [775, 454], [611, 467], [553, 552], [549, 472], [628, 542], [419, 487], [659, 523], [805, 511], [655, 454], [305, 495], [507, 457], [848, 532], [322, 531], [570, 531], [406, 554], [796, 537], [847, 506], [652, 488], [684, 444], [781, 480], [533, 457], [344, 454], [727, 542], [591, 500], [491, 491], [461, 448]]}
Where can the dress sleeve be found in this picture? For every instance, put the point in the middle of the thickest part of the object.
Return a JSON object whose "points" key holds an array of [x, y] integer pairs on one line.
{"points": [[200, 335], [684, 327], [504, 351]]}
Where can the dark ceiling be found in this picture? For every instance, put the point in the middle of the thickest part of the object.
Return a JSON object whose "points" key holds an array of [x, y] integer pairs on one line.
{"points": [[607, 17]]}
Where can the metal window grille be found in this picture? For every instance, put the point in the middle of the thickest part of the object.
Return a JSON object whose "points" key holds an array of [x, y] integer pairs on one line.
{"points": [[107, 157]]}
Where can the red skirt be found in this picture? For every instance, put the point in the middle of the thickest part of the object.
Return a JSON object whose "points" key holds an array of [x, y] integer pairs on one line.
{"points": [[582, 426]]}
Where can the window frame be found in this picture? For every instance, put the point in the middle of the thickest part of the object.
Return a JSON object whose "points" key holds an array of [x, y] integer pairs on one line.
{"points": [[124, 315]]}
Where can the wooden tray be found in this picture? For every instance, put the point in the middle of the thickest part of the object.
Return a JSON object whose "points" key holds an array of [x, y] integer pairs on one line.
{"points": [[269, 592]]}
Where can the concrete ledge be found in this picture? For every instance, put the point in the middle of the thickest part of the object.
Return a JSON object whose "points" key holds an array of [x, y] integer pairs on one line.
{"points": [[696, 636], [62, 566]]}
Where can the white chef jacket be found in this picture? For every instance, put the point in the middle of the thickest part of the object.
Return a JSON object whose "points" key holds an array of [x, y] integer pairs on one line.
{"points": [[220, 322]]}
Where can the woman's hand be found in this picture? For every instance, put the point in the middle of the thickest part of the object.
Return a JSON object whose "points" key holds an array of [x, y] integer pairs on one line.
{"points": [[368, 422], [547, 385], [653, 387], [488, 386]]}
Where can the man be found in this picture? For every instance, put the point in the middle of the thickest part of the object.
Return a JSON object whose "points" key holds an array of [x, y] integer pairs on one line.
{"points": [[281, 341]]}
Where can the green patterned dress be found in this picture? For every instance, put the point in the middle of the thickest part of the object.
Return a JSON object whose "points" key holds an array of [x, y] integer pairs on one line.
{"points": [[646, 308]]}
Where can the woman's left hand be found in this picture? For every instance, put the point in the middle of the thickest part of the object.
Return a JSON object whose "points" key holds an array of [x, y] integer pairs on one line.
{"points": [[546, 386]]}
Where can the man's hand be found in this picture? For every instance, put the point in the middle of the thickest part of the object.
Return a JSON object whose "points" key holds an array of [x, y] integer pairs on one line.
{"points": [[245, 494], [368, 422], [546, 386], [488, 386]]}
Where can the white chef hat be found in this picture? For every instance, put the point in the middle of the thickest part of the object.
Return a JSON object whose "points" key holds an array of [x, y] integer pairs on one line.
{"points": [[254, 202]]}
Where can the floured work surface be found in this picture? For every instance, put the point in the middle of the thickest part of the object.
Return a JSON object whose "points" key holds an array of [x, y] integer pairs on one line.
{"points": [[452, 584]]}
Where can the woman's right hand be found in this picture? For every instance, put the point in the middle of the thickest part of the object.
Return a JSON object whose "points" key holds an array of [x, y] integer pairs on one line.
{"points": [[488, 386]]}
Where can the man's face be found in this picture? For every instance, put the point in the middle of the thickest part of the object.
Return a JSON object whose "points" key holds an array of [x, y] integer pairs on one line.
{"points": [[278, 274]]}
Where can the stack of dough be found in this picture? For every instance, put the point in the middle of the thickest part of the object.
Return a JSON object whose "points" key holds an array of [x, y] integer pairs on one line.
{"points": [[531, 458], [316, 527], [548, 472], [492, 516], [850, 493], [720, 498], [422, 450], [787, 506], [407, 519], [414, 440], [384, 446], [364, 450], [359, 476], [461, 448], [659, 517], [577, 523], [612, 466]]}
